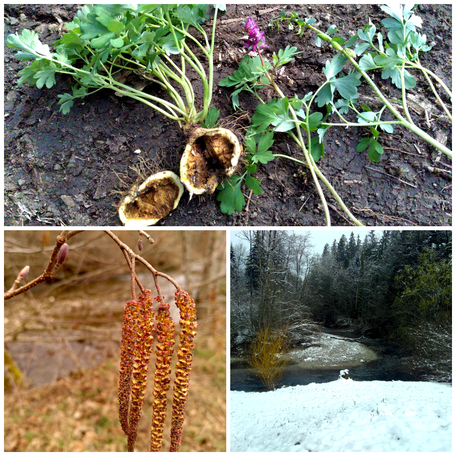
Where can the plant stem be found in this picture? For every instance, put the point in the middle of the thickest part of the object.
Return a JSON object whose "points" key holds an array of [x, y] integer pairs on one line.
{"points": [[380, 95]]}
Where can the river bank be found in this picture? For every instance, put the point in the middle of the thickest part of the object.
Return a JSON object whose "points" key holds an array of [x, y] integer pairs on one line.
{"points": [[328, 350], [343, 415], [319, 360]]}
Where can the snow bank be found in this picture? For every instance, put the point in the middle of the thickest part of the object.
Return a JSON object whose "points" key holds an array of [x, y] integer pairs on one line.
{"points": [[343, 416], [332, 351]]}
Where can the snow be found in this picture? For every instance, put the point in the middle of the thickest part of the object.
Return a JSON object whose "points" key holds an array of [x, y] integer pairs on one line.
{"points": [[331, 351], [343, 415]]}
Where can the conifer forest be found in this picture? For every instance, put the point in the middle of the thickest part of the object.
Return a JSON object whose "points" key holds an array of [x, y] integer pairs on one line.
{"points": [[389, 285]]}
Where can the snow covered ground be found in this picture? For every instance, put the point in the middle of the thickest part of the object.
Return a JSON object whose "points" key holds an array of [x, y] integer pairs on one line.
{"points": [[331, 351], [343, 416]]}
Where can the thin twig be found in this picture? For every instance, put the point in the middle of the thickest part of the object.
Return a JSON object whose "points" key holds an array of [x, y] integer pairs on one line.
{"points": [[389, 175], [50, 270]]}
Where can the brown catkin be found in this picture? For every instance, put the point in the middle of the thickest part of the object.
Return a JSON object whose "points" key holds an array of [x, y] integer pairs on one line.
{"points": [[144, 339], [164, 352], [127, 353], [183, 366]]}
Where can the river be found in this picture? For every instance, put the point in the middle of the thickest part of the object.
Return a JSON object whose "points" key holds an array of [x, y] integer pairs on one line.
{"points": [[388, 365]]}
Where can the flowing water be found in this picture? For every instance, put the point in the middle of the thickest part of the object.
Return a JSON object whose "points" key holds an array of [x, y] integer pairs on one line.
{"points": [[388, 366]]}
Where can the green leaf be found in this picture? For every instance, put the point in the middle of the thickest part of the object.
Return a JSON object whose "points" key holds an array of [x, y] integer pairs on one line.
{"points": [[66, 99], [116, 27], [351, 41], [286, 55], [331, 30], [102, 40], [263, 154], [253, 184], [360, 48], [263, 157], [363, 144], [65, 102], [334, 67], [250, 145], [342, 105], [325, 94], [395, 75], [230, 195], [91, 28], [27, 74], [338, 40], [390, 60], [282, 123], [249, 76], [263, 117], [388, 128], [394, 10], [192, 14], [367, 117], [45, 78], [317, 148], [211, 118], [321, 133], [170, 48], [346, 86], [117, 43], [375, 151], [313, 121], [265, 142], [28, 45], [251, 168], [366, 62]]}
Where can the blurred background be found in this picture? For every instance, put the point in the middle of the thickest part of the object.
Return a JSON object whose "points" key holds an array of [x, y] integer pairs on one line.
{"points": [[62, 339]]}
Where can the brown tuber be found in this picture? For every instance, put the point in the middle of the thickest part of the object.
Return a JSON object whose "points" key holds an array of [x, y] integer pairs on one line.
{"points": [[209, 157], [155, 198]]}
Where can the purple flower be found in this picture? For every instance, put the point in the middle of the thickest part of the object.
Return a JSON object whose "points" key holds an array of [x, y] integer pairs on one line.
{"points": [[256, 37]]}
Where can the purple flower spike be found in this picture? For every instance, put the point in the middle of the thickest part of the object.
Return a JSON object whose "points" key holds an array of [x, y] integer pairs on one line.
{"points": [[256, 37]]}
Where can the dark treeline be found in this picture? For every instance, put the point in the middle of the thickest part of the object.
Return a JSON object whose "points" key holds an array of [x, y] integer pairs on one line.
{"points": [[390, 284]]}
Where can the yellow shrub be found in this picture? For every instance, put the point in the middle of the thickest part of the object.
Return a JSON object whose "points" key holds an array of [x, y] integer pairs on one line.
{"points": [[266, 356]]}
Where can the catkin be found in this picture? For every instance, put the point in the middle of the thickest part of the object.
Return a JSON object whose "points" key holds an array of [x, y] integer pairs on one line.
{"points": [[144, 339], [127, 353], [183, 367], [164, 351]]}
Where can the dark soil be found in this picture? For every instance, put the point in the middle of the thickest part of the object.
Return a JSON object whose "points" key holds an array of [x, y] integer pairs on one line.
{"points": [[65, 169]]}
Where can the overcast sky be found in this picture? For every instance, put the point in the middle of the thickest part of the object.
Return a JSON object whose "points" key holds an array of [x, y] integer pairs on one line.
{"points": [[320, 236]]}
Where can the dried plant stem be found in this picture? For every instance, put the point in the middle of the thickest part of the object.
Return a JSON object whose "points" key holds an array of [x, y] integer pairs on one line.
{"points": [[183, 366]]}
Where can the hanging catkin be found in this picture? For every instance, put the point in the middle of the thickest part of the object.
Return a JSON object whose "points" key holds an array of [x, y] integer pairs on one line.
{"points": [[184, 362], [143, 348], [164, 352]]}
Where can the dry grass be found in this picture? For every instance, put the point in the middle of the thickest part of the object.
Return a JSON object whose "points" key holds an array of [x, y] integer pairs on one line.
{"points": [[79, 413], [83, 305]]}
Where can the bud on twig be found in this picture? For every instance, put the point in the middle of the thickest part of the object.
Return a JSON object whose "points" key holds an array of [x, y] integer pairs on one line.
{"points": [[140, 245], [24, 272], [63, 253]]}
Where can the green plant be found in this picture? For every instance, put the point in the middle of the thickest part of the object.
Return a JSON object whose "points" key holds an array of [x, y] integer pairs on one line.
{"points": [[106, 43], [394, 55], [306, 126], [266, 356]]}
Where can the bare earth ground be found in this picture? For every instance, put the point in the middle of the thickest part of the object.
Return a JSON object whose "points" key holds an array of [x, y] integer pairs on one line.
{"points": [[64, 169]]}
